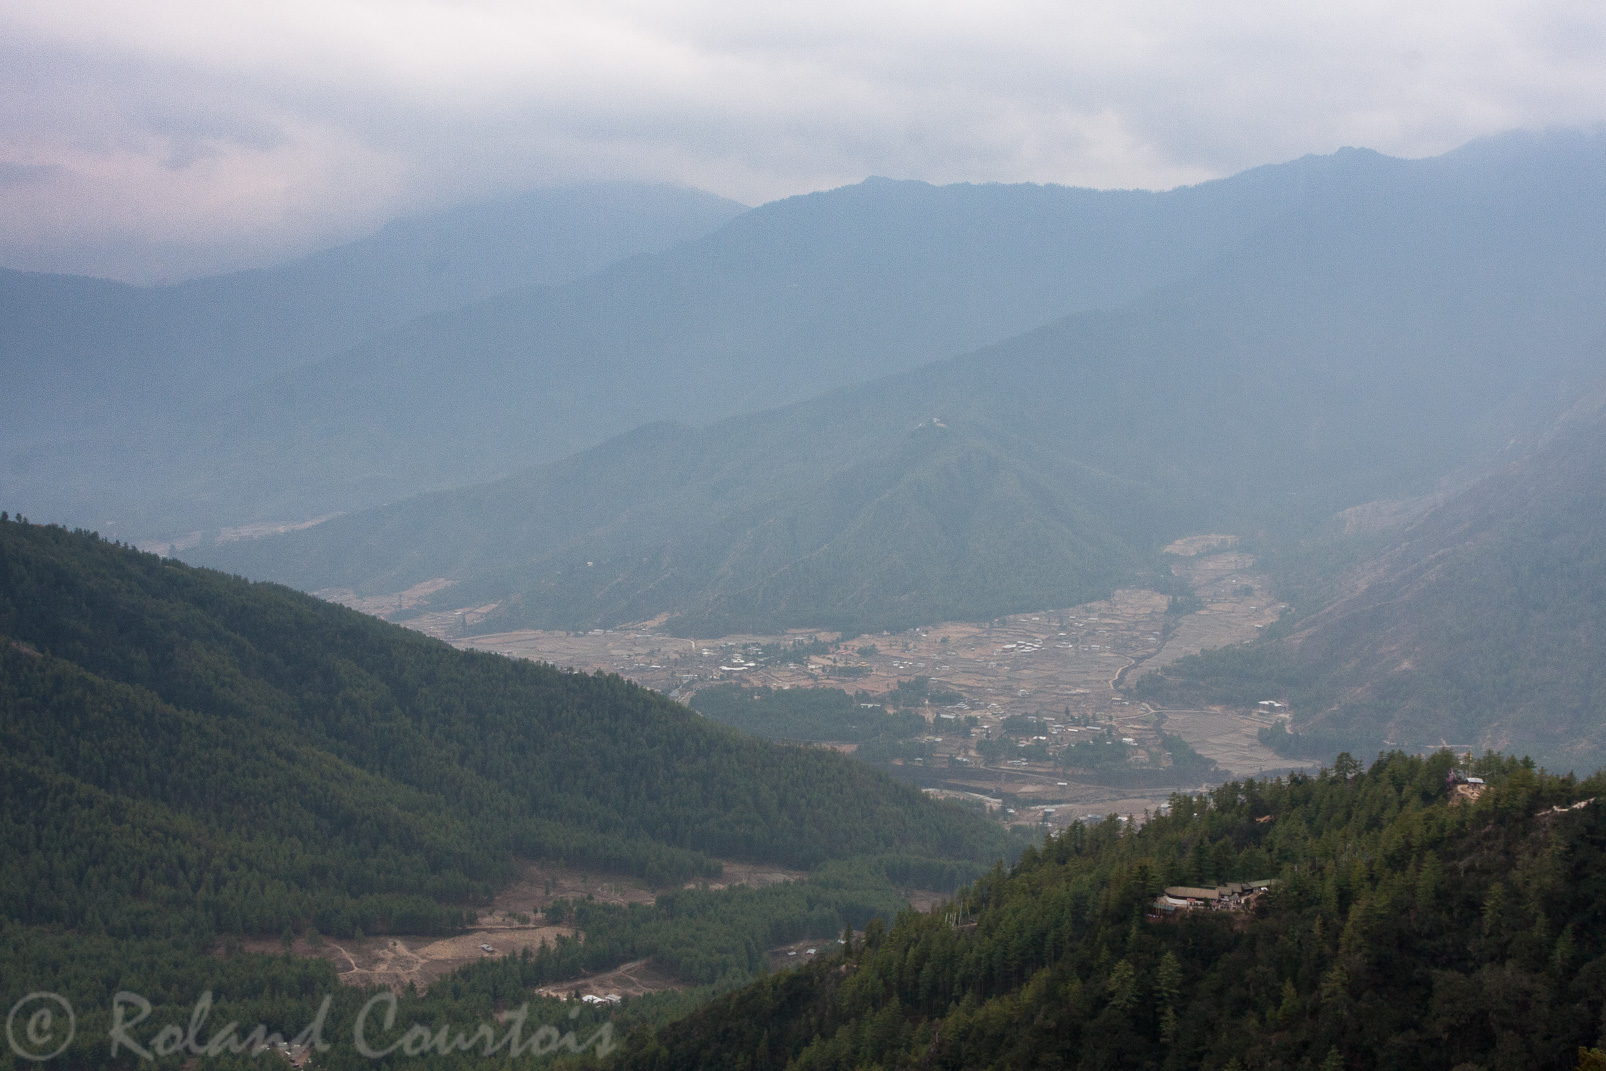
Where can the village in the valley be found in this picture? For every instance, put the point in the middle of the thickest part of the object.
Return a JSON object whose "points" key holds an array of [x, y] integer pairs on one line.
{"points": [[1064, 670]]}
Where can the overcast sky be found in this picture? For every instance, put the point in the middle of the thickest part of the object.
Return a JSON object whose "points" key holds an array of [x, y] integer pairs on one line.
{"points": [[164, 138]]}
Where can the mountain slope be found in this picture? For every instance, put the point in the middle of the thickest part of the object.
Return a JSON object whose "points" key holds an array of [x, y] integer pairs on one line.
{"points": [[735, 528], [794, 298], [89, 358], [188, 753], [1403, 931], [1407, 328], [72, 344], [1480, 625]]}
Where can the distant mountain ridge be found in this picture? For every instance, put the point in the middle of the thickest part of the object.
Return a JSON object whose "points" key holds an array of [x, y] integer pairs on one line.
{"points": [[1428, 317], [229, 331], [97, 369], [789, 300]]}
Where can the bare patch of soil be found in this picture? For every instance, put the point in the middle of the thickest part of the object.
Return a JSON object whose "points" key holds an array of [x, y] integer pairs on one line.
{"points": [[632, 979], [925, 899], [386, 605], [1230, 739], [508, 928], [395, 961], [1188, 546], [754, 875], [1389, 513], [267, 528]]}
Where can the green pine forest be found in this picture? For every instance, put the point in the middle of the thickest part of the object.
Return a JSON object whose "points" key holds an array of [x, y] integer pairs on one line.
{"points": [[191, 760], [1404, 931], [188, 760]]}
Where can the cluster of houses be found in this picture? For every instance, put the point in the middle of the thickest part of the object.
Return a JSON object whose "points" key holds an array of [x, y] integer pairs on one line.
{"points": [[1233, 896]]}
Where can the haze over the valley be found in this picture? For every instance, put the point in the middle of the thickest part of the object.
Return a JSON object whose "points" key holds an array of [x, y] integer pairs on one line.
{"points": [[1025, 535]]}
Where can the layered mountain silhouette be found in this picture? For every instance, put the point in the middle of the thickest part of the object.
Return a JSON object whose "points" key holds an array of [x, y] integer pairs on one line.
{"points": [[1424, 318], [783, 303], [99, 373]]}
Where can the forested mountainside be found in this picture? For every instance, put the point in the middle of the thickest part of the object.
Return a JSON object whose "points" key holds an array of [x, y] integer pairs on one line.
{"points": [[1480, 626], [96, 368], [1429, 318], [809, 517], [185, 753], [789, 300], [1403, 931], [76, 349]]}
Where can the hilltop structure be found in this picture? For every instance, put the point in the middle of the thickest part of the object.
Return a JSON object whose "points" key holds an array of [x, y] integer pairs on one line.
{"points": [[1233, 896]]}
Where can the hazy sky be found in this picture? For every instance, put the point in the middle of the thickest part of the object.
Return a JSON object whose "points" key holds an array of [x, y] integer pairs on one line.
{"points": [[167, 137]]}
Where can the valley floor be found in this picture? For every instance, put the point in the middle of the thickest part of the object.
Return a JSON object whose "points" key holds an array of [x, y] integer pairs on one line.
{"points": [[1065, 666]]}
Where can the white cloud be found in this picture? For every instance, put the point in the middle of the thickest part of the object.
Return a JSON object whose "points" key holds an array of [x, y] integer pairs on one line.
{"points": [[174, 135]]}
